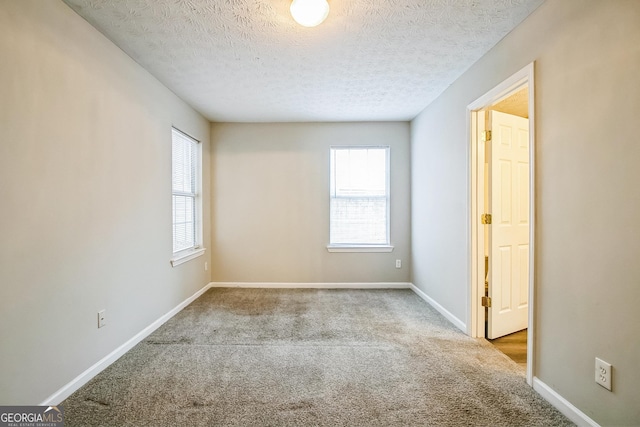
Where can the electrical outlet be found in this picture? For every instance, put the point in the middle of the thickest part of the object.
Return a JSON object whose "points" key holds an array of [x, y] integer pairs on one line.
{"points": [[102, 318], [603, 373], [206, 266], [398, 263]]}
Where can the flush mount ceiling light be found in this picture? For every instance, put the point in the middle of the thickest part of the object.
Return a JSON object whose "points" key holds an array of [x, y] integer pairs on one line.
{"points": [[309, 13]]}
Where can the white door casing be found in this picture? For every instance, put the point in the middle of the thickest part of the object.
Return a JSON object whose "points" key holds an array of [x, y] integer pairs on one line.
{"points": [[476, 117], [509, 229]]}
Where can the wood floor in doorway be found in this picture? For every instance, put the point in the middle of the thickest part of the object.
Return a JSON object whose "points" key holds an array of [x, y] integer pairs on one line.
{"points": [[514, 346]]}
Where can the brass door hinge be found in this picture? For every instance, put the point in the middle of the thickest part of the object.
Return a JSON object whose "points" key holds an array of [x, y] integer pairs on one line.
{"points": [[486, 301], [486, 218], [486, 135]]}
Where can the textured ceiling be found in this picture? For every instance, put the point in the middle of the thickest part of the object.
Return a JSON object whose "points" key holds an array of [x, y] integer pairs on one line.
{"points": [[516, 104], [248, 61]]}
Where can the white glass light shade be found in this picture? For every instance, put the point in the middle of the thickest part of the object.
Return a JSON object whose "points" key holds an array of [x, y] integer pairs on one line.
{"points": [[309, 13]]}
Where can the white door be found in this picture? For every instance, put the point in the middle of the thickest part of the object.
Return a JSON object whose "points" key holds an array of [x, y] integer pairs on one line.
{"points": [[509, 229]]}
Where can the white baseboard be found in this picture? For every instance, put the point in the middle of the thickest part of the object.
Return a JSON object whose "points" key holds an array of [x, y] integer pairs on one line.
{"points": [[272, 285], [102, 364], [99, 366], [562, 404], [559, 402], [450, 317]]}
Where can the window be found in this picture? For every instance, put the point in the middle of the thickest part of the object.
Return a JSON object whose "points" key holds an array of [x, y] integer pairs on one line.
{"points": [[185, 171], [359, 211]]}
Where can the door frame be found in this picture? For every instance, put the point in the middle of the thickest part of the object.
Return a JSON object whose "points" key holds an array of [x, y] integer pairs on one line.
{"points": [[475, 327]]}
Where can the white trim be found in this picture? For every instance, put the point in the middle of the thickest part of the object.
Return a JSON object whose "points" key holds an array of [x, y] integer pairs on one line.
{"points": [[181, 258], [363, 285], [504, 89], [476, 124], [532, 221], [197, 196], [350, 247], [69, 388], [311, 285], [355, 248], [562, 404], [446, 313], [523, 77]]}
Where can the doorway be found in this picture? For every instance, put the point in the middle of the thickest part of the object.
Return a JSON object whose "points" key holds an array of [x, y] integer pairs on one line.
{"points": [[502, 217]]}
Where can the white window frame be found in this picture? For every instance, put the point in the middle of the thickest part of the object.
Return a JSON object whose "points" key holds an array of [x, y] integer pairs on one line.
{"points": [[363, 247], [187, 254]]}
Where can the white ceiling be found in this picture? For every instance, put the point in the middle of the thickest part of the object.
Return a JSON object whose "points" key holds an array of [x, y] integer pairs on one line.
{"points": [[516, 104], [248, 61]]}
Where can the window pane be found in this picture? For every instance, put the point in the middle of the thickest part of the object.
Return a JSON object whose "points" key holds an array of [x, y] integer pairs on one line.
{"points": [[184, 163], [184, 168], [359, 220], [359, 196], [184, 235], [361, 171]]}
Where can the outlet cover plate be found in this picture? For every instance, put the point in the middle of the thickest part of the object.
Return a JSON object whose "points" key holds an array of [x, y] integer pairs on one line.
{"points": [[102, 318], [603, 373]]}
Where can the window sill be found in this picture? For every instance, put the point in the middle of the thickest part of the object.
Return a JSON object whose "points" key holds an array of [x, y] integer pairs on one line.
{"points": [[188, 255], [356, 248]]}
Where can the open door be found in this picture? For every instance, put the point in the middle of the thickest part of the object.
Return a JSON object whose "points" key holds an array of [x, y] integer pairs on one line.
{"points": [[519, 272], [508, 186]]}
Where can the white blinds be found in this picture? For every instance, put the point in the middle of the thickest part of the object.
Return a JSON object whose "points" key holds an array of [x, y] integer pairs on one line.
{"points": [[184, 186], [359, 196]]}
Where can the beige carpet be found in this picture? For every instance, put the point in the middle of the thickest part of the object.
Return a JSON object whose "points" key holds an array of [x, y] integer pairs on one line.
{"points": [[282, 357]]}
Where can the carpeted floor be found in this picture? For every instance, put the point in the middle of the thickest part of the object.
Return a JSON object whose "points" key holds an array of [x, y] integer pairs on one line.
{"points": [[307, 357]]}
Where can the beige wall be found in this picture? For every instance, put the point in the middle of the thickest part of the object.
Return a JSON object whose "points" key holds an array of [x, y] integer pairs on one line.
{"points": [[587, 96], [270, 185], [85, 202], [85, 209]]}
